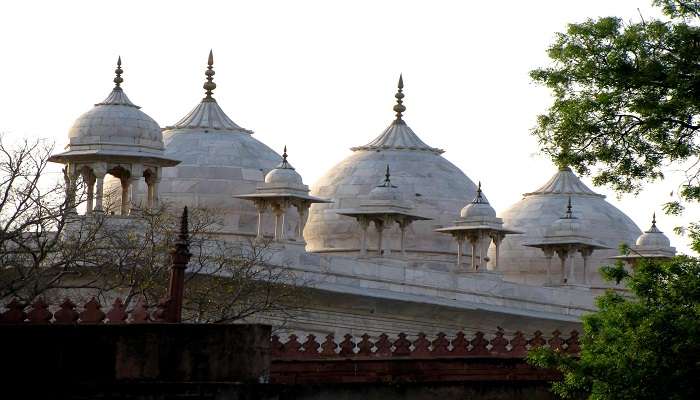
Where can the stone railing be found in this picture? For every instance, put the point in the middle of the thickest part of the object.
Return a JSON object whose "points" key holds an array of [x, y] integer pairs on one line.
{"points": [[478, 345], [68, 313]]}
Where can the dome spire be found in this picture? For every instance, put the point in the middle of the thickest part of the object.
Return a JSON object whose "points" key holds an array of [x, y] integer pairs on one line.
{"points": [[479, 199], [569, 214], [209, 85], [399, 107], [387, 179], [118, 78], [285, 164], [654, 228], [117, 97]]}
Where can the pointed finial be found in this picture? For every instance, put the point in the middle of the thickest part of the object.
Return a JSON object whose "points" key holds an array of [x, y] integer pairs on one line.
{"points": [[399, 107], [569, 213], [653, 220], [118, 79], [285, 163], [387, 179], [184, 236], [209, 85], [479, 195]]}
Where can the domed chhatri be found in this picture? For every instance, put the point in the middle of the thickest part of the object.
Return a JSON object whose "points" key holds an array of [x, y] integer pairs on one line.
{"points": [[284, 173], [538, 210], [653, 238], [219, 159], [478, 226], [478, 208], [283, 188], [650, 244], [434, 185], [386, 191], [116, 138], [383, 206], [566, 237]]}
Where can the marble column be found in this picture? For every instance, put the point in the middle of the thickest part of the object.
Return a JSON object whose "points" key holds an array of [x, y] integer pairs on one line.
{"points": [[585, 253], [549, 254], [571, 279], [403, 224], [563, 255], [474, 242], [99, 190], [497, 238], [261, 206], [364, 225], [89, 180], [278, 210], [303, 211], [379, 226], [460, 250], [133, 184], [155, 197], [71, 183], [124, 209]]}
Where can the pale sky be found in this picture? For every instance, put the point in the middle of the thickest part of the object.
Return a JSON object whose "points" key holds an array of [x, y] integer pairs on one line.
{"points": [[317, 76]]}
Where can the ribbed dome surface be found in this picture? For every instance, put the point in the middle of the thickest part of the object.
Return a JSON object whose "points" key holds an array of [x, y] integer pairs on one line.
{"points": [[284, 176], [653, 238], [436, 188], [216, 164], [477, 210], [538, 210], [219, 159], [116, 126]]}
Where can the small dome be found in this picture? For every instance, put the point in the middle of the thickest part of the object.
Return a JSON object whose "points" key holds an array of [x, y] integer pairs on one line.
{"points": [[220, 159], [478, 208], [284, 173], [567, 225], [435, 187], [653, 238], [116, 126], [386, 191], [539, 210], [116, 123]]}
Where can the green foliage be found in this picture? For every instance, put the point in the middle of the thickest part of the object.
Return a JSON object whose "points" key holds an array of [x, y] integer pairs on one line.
{"points": [[627, 104], [626, 98], [644, 346]]}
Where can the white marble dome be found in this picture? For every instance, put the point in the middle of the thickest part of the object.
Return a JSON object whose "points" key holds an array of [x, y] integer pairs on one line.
{"points": [[284, 174], [653, 238], [565, 227], [538, 210], [219, 159], [115, 126], [435, 187], [478, 208]]}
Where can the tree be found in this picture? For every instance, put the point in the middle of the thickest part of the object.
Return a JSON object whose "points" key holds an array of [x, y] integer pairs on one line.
{"points": [[48, 250], [627, 104], [225, 280], [626, 98], [644, 346], [34, 217]]}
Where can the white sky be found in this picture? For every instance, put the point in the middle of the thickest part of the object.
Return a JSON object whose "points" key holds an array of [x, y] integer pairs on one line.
{"points": [[318, 76]]}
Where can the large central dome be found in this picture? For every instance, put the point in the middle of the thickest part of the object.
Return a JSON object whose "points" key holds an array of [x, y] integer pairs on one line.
{"points": [[538, 210], [436, 187], [219, 159]]}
